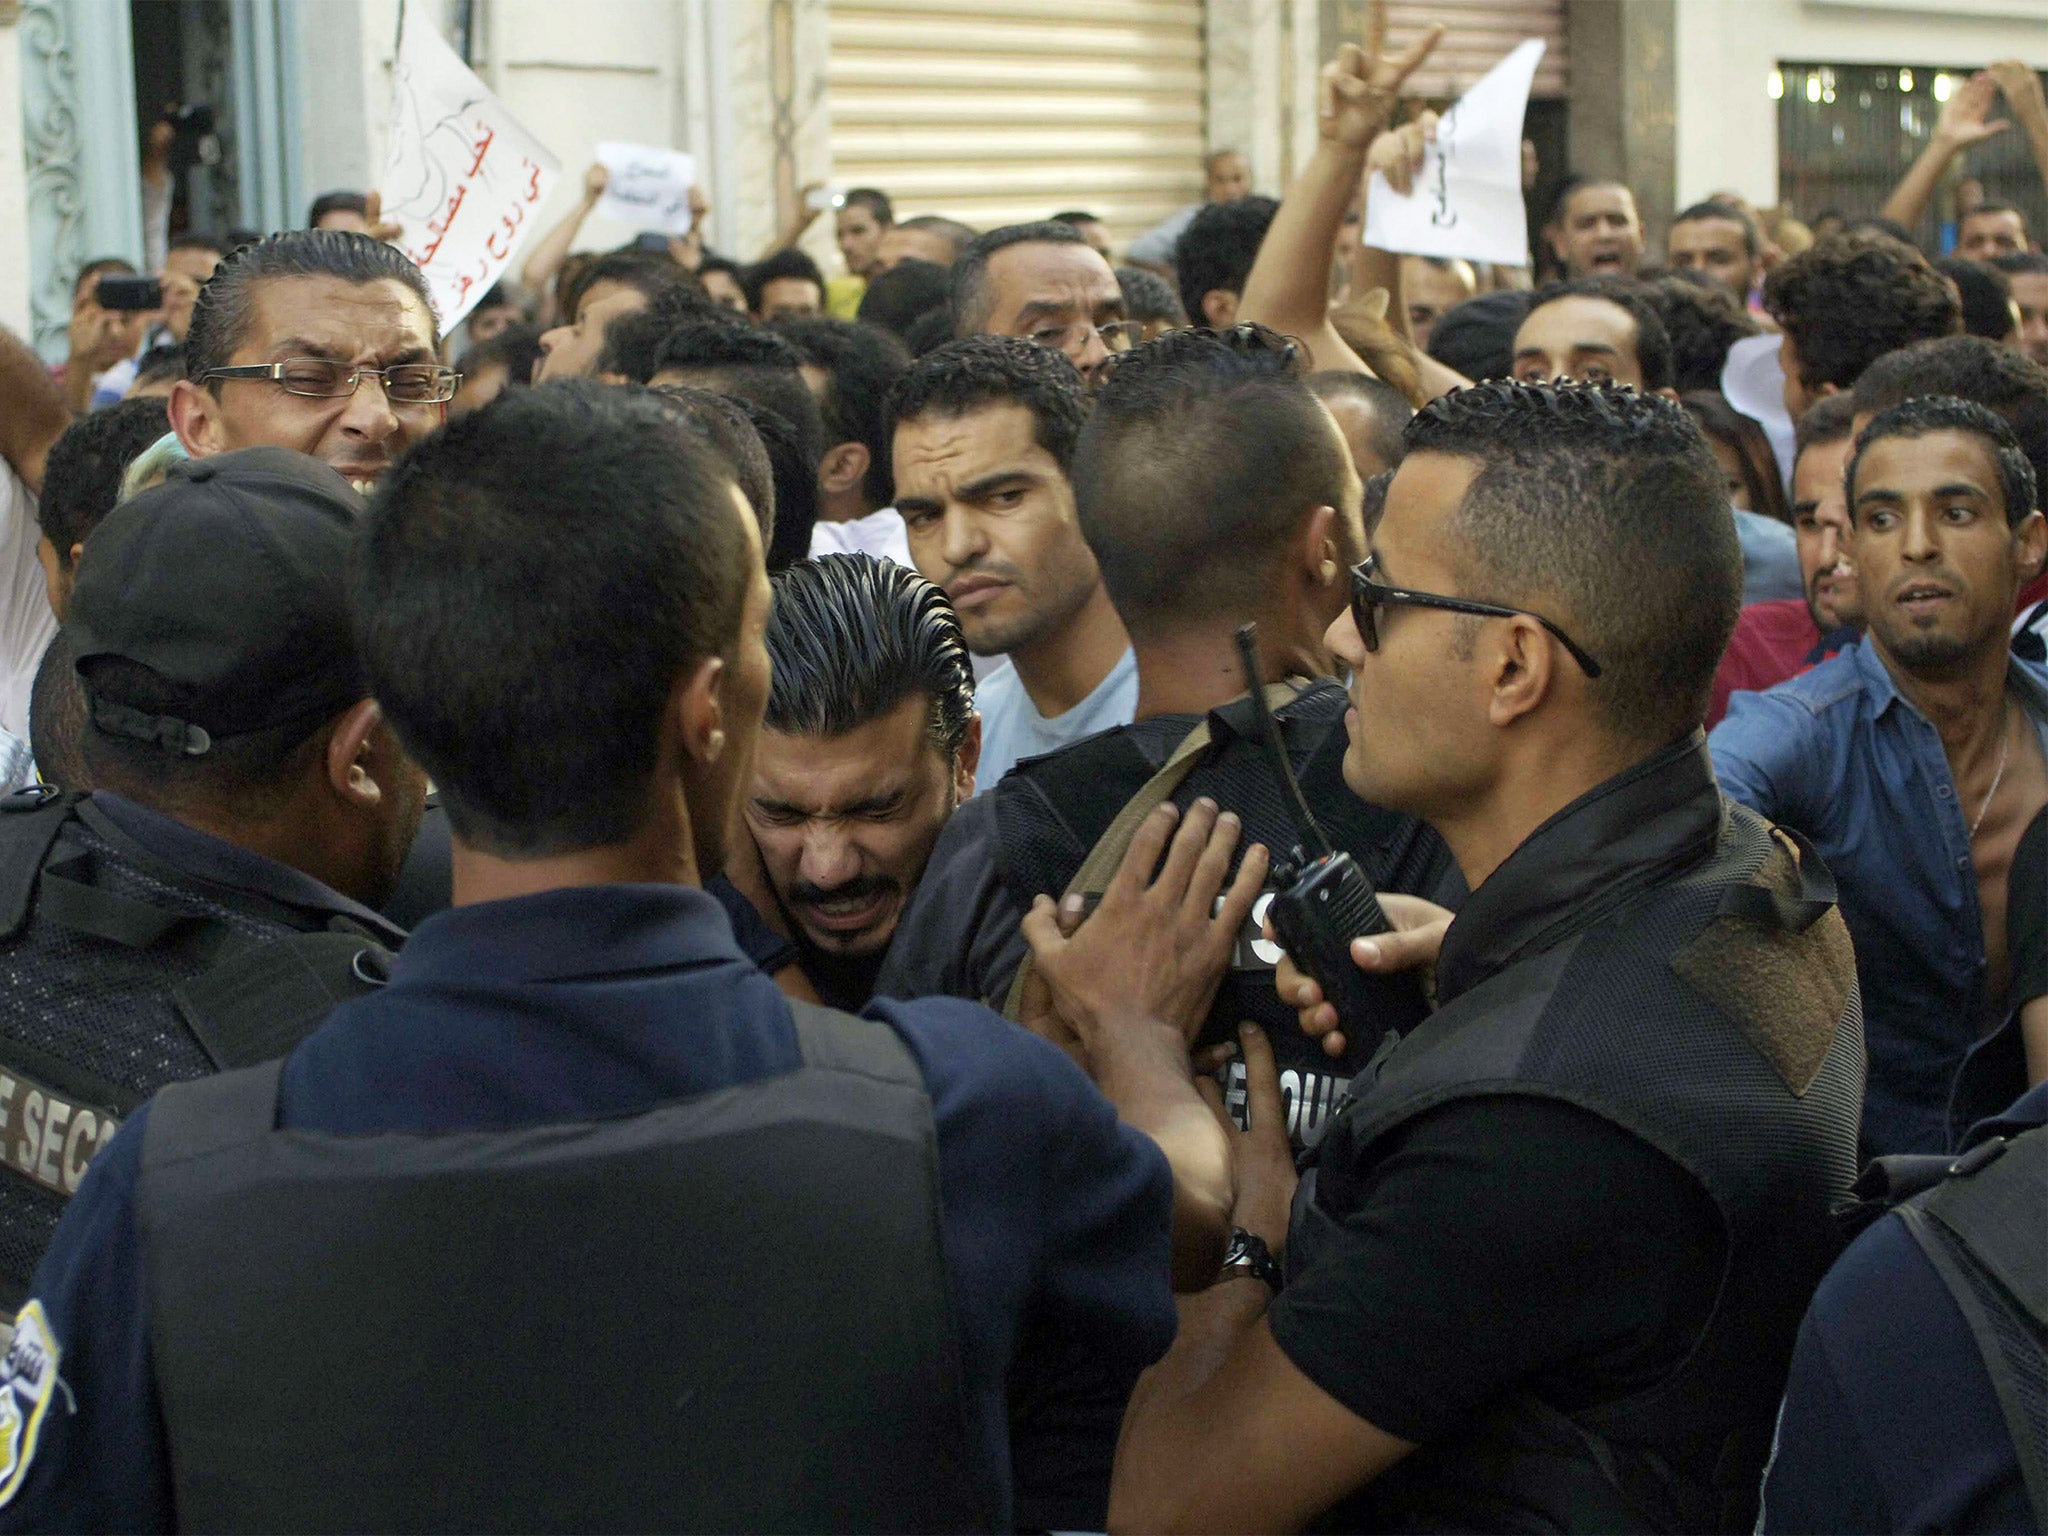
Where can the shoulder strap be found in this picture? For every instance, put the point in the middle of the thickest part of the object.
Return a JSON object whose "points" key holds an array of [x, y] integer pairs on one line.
{"points": [[260, 1001], [837, 1041], [1981, 1233], [207, 1114], [29, 823], [1096, 871]]}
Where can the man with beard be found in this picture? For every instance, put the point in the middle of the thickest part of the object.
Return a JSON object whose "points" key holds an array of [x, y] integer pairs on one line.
{"points": [[1915, 759], [1780, 639], [869, 745]]}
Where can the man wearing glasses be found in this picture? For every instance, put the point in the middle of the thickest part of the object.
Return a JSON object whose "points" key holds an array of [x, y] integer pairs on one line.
{"points": [[320, 341], [1546, 1265], [1047, 284]]}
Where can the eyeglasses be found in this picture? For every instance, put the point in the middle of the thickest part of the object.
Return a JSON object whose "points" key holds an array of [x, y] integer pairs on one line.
{"points": [[1117, 335], [1369, 596], [323, 378]]}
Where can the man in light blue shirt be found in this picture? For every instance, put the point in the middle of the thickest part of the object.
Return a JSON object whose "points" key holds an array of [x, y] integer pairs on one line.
{"points": [[985, 430]]}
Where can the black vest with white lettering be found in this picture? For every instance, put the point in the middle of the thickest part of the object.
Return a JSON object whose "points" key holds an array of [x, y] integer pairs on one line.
{"points": [[1668, 961], [1051, 810], [118, 974], [730, 1312]]}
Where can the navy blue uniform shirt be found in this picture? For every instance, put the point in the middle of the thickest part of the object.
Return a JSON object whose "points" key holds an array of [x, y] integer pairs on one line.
{"points": [[605, 1001], [1890, 1421]]}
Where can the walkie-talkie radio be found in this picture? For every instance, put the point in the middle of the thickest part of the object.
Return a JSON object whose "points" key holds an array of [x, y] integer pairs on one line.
{"points": [[1327, 901]]}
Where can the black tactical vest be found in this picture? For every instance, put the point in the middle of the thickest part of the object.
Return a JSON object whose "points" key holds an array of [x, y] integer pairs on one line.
{"points": [[728, 1313], [1708, 1007], [116, 978], [1051, 810]]}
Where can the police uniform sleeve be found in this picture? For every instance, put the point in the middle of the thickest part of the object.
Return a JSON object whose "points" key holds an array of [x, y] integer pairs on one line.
{"points": [[1765, 756], [959, 937], [81, 1431], [1495, 1242]]}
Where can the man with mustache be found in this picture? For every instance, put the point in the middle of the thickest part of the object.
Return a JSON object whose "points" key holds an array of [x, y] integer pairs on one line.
{"points": [[985, 433], [868, 746], [1914, 760], [1781, 639]]}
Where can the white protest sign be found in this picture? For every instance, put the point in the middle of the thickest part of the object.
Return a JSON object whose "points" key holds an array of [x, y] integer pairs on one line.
{"points": [[648, 188], [1468, 195], [461, 176]]}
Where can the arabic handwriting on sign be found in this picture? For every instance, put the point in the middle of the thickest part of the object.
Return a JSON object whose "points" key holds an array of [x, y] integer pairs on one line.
{"points": [[1443, 215], [532, 180], [482, 145]]}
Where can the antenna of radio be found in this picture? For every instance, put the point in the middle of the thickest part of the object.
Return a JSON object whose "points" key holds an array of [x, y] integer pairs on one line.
{"points": [[1269, 733]]}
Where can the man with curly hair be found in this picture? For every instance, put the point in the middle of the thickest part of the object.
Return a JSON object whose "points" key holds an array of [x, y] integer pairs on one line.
{"points": [[1847, 300]]}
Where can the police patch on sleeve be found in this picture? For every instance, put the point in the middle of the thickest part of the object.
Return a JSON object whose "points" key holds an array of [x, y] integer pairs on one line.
{"points": [[28, 1380]]}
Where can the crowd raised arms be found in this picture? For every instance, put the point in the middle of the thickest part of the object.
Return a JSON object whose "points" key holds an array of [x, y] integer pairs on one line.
{"points": [[737, 898]]}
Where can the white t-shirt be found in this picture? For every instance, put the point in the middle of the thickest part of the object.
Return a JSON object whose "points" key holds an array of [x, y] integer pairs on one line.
{"points": [[1012, 729], [26, 623], [879, 534]]}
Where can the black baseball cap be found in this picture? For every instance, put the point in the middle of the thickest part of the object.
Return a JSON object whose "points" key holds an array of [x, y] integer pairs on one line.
{"points": [[229, 581]]}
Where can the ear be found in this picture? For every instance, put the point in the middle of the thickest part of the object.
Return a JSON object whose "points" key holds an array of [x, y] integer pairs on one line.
{"points": [[349, 752], [1667, 393], [1825, 390], [54, 585], [843, 468], [1219, 309], [195, 417], [1319, 554], [1521, 654], [967, 760], [699, 713], [2030, 546]]}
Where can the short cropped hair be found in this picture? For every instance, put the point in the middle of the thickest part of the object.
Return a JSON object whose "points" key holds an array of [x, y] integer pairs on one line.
{"points": [[1205, 452], [793, 469], [726, 424], [1148, 297], [1390, 409], [1829, 419], [198, 240], [2028, 263], [1849, 298], [1966, 368], [1993, 205], [1944, 413], [851, 637], [160, 364], [861, 364], [1986, 295], [1653, 342], [225, 308], [874, 200], [516, 349], [898, 298], [336, 202], [1603, 510], [82, 481], [1700, 212], [1217, 249], [971, 304], [650, 273], [523, 649], [789, 264], [980, 371], [633, 341], [752, 363]]}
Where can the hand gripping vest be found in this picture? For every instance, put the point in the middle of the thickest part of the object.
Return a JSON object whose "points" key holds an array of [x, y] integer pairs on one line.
{"points": [[114, 980], [1714, 1015], [730, 1312]]}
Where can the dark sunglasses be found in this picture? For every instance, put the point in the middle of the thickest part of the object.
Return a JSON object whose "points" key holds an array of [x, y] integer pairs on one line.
{"points": [[1369, 596]]}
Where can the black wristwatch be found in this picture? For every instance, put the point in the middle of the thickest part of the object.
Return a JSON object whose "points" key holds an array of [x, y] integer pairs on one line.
{"points": [[1249, 1255]]}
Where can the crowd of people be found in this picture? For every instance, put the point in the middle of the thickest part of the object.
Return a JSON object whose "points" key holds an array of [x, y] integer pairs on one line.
{"points": [[672, 913]]}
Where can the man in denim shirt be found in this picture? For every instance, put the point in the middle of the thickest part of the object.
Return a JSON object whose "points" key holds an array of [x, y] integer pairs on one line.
{"points": [[1915, 759]]}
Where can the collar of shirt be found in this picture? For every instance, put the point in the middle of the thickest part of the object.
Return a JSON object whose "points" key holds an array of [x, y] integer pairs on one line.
{"points": [[201, 855], [2027, 683], [1640, 826]]}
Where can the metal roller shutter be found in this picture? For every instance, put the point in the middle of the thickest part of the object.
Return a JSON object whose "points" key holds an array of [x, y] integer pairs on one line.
{"points": [[1477, 34], [1000, 111]]}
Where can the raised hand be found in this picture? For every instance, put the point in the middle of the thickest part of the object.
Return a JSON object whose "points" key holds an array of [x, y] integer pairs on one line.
{"points": [[1962, 121], [1397, 153], [595, 180], [1356, 96], [379, 227], [2021, 87], [1156, 948]]}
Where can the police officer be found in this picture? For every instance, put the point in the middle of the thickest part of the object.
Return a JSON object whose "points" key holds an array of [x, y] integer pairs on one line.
{"points": [[1214, 488], [1548, 1265], [577, 1222], [209, 904]]}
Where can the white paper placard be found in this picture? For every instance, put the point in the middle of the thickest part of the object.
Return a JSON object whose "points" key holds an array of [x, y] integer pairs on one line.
{"points": [[1468, 195], [461, 175], [649, 188]]}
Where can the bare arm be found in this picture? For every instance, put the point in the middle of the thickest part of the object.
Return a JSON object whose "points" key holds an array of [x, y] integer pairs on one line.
{"points": [[801, 217], [1130, 988], [1960, 125], [1289, 284], [552, 249], [33, 415], [2021, 88]]}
